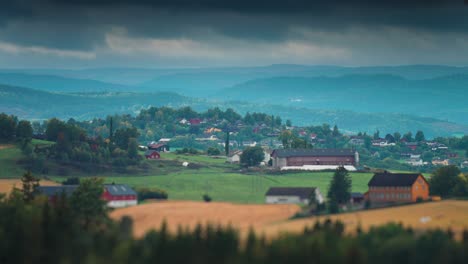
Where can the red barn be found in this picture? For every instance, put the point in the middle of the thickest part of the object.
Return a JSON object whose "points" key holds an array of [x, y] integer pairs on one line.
{"points": [[119, 195], [116, 195], [300, 157], [152, 154]]}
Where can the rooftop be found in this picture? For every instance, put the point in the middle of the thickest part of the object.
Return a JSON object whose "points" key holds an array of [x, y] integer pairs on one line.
{"points": [[393, 179], [282, 153], [302, 192]]}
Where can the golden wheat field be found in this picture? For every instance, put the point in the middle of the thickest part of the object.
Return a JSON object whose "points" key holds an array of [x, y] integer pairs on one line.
{"points": [[7, 185], [273, 219], [188, 214]]}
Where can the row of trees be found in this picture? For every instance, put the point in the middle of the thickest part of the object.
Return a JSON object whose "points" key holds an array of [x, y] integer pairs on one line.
{"points": [[74, 147], [72, 231], [12, 129]]}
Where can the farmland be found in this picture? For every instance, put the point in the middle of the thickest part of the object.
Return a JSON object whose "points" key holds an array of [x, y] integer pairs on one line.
{"points": [[7, 185], [274, 219]]}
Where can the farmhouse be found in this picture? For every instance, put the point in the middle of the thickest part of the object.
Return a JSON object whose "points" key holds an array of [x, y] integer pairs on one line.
{"points": [[116, 195], [293, 195], [234, 157], [152, 154], [397, 187], [316, 158], [161, 147]]}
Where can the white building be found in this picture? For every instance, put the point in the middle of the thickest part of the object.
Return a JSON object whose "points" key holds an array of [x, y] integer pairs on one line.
{"points": [[293, 195]]}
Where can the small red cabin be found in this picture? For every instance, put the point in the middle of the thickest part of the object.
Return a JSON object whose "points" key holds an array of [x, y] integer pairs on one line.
{"points": [[152, 154]]}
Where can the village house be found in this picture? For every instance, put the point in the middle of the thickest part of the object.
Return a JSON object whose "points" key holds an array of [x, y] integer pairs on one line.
{"points": [[234, 157], [152, 154], [318, 158], [116, 195], [382, 143], [441, 162], [160, 147], [412, 145], [415, 160], [357, 141], [164, 141], [397, 187], [293, 195]]}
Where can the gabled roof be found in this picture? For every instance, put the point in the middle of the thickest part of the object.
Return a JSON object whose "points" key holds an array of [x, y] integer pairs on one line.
{"points": [[57, 190], [119, 189], [394, 179], [302, 192], [283, 153]]}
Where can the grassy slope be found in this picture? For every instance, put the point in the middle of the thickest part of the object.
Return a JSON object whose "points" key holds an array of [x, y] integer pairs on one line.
{"points": [[9, 155]]}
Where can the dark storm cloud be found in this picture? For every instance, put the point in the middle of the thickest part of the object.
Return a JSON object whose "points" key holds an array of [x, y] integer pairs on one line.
{"points": [[84, 25]]}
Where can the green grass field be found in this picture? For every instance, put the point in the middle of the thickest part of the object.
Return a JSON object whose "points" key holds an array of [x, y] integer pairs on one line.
{"points": [[212, 176], [9, 156]]}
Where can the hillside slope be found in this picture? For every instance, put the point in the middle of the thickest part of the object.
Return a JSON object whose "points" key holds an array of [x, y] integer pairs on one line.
{"points": [[443, 97]]}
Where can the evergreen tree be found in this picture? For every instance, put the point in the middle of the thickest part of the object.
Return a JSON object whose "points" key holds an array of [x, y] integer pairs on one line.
{"points": [[340, 186], [132, 150], [226, 144], [87, 204], [335, 132], [419, 136], [30, 184]]}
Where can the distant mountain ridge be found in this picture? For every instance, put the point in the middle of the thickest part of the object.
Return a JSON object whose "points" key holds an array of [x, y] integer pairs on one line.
{"points": [[60, 84], [441, 97], [33, 104]]}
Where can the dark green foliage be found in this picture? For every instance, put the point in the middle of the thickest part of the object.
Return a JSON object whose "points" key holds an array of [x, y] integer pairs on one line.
{"points": [[147, 193], [444, 180], [30, 183], [206, 198], [132, 150], [213, 151], [226, 143], [71, 181], [187, 151], [87, 205], [24, 130], [340, 187], [122, 136], [419, 136], [252, 156], [7, 127]]}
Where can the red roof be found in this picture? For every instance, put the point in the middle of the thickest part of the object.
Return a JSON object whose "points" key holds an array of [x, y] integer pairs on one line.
{"points": [[195, 121]]}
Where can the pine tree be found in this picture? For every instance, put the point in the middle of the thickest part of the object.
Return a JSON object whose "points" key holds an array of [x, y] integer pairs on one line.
{"points": [[30, 184], [340, 186]]}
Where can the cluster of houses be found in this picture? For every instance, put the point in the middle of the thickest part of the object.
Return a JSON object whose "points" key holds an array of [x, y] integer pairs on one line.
{"points": [[384, 188], [115, 195]]}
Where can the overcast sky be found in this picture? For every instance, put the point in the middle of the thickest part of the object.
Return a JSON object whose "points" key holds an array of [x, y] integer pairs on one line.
{"points": [[202, 33]]}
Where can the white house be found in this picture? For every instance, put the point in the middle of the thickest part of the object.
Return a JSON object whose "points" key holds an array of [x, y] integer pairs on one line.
{"points": [[293, 195], [234, 157]]}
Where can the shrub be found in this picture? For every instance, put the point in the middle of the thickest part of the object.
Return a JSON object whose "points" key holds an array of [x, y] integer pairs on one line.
{"points": [[213, 151], [71, 181], [207, 198], [147, 193]]}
